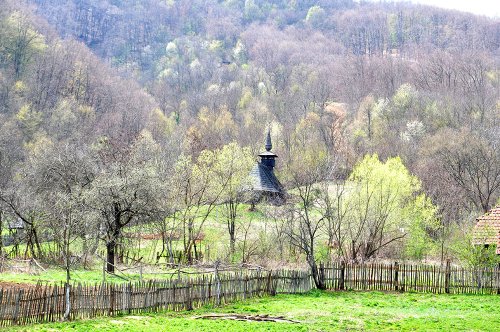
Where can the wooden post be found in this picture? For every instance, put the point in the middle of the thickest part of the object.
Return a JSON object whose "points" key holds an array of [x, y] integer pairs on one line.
{"points": [[342, 276], [217, 283], [396, 275], [269, 286], [129, 297], [111, 300], [245, 287], [104, 271], [322, 275], [189, 300], [447, 277], [15, 316]]}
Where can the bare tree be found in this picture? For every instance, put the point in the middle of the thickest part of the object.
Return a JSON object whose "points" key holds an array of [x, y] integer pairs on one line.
{"points": [[473, 163], [59, 175], [127, 188]]}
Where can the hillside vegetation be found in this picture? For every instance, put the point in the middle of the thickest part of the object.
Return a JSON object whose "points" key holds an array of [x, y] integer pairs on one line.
{"points": [[145, 117]]}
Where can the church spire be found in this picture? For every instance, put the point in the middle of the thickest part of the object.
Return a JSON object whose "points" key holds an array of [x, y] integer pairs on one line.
{"points": [[268, 157], [269, 144]]}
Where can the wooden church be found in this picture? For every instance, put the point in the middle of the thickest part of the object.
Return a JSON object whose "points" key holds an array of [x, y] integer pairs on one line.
{"points": [[263, 183]]}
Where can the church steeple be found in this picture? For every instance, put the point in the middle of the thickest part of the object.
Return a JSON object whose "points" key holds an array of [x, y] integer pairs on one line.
{"points": [[264, 185], [269, 144], [267, 157]]}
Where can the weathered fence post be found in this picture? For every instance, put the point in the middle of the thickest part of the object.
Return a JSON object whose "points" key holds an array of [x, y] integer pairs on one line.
{"points": [[322, 281], [112, 300], [189, 300], [396, 276], [15, 316], [342, 276], [245, 287], [217, 282], [447, 277], [269, 287]]}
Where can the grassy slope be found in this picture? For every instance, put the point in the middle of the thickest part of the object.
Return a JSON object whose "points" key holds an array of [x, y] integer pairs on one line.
{"points": [[319, 311]]}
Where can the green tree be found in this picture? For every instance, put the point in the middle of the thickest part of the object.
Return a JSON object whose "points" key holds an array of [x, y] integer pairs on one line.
{"points": [[316, 17], [383, 206], [197, 191], [20, 42], [232, 167]]}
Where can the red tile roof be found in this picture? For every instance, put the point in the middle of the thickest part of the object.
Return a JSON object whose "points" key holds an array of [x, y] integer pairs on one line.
{"points": [[487, 228]]}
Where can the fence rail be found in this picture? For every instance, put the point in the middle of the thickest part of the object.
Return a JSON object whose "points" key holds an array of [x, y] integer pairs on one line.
{"points": [[47, 303]]}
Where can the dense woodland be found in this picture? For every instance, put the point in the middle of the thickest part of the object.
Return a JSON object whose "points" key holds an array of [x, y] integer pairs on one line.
{"points": [[117, 114]]}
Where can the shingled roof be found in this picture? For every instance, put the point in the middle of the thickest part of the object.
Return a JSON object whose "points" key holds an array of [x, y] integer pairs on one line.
{"points": [[263, 183], [263, 179], [487, 228]]}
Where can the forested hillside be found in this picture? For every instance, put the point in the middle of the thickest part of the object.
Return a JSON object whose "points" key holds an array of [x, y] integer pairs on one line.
{"points": [[126, 109]]}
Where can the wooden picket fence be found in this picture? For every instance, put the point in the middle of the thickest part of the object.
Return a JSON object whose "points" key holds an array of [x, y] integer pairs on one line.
{"points": [[46, 303], [411, 277]]}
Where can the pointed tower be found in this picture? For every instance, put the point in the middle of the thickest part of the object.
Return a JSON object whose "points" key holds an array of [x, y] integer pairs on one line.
{"points": [[263, 182], [267, 157]]}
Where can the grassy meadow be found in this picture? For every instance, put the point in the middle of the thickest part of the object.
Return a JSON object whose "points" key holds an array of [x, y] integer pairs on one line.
{"points": [[316, 311]]}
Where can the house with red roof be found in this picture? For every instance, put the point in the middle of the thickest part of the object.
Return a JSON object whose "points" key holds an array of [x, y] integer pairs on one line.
{"points": [[487, 229]]}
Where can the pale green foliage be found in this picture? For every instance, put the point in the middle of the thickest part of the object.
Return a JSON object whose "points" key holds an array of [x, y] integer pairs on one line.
{"points": [[423, 216], [232, 165], [471, 254], [391, 178], [240, 52], [252, 11], [38, 145], [29, 120], [246, 97], [19, 41], [316, 16], [64, 118], [161, 125], [383, 207], [194, 183], [404, 98]]}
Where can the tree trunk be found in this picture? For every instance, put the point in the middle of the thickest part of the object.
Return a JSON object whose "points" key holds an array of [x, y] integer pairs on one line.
{"points": [[112, 242], [317, 275], [232, 239], [37, 243], [231, 226], [68, 302], [110, 252], [68, 287]]}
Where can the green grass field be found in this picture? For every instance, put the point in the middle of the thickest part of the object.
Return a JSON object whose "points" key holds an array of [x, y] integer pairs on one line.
{"points": [[318, 311]]}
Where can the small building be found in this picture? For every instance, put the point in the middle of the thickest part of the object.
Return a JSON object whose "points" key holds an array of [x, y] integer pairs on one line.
{"points": [[487, 229], [263, 183]]}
